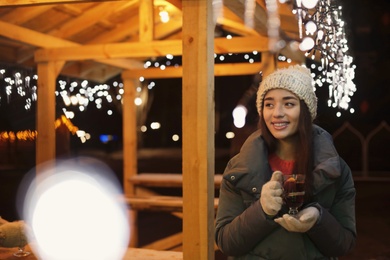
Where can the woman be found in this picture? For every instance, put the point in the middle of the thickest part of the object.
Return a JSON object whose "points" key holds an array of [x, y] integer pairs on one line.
{"points": [[252, 220]]}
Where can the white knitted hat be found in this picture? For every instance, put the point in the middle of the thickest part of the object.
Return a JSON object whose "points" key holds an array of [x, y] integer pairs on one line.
{"points": [[296, 79]]}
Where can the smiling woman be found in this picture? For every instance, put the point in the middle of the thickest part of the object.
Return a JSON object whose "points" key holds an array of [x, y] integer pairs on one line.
{"points": [[253, 220]]}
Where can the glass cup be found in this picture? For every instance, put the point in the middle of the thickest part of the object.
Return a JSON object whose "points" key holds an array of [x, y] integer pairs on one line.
{"points": [[293, 191], [21, 252]]}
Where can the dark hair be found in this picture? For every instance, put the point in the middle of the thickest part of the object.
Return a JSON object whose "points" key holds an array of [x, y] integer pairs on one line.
{"points": [[303, 160]]}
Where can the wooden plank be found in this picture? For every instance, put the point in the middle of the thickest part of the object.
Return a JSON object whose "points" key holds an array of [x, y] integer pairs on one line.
{"points": [[147, 49], [159, 203], [198, 129], [164, 180], [156, 203], [146, 21], [37, 2], [236, 27], [167, 243], [150, 254], [129, 134], [45, 115], [84, 20], [130, 149], [21, 15], [227, 69], [46, 41]]}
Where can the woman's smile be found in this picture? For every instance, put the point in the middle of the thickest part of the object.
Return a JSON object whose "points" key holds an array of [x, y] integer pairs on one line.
{"points": [[281, 113]]}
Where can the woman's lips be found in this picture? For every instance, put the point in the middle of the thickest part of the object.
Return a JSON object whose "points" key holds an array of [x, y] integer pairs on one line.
{"points": [[280, 126]]}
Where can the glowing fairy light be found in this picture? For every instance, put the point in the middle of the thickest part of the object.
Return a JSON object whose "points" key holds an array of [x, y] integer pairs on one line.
{"points": [[239, 115], [324, 40]]}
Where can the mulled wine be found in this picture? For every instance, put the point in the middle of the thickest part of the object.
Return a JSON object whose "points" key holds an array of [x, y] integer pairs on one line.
{"points": [[294, 191]]}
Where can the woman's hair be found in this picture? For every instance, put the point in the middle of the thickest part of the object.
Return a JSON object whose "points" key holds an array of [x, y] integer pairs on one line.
{"points": [[304, 160]]}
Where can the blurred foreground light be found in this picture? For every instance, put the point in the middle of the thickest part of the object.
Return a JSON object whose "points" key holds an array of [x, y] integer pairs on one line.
{"points": [[74, 212]]}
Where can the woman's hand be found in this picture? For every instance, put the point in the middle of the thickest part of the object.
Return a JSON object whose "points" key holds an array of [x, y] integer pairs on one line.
{"points": [[271, 194], [302, 222]]}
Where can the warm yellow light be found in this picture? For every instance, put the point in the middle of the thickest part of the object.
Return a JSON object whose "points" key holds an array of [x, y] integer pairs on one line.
{"points": [[164, 15]]}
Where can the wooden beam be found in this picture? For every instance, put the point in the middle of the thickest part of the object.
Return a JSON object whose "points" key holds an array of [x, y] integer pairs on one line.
{"points": [[40, 2], [21, 15], [46, 41], [147, 49], [83, 21], [198, 129], [45, 116], [130, 150], [228, 69], [236, 27], [146, 21]]}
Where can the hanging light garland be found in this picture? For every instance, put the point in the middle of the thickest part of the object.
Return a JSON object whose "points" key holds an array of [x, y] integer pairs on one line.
{"points": [[322, 35], [326, 26]]}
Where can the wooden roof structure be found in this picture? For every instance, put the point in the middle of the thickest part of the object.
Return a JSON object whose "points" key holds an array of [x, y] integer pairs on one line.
{"points": [[29, 25], [97, 40]]}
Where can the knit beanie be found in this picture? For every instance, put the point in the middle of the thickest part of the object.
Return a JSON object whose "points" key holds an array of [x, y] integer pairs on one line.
{"points": [[296, 79]]}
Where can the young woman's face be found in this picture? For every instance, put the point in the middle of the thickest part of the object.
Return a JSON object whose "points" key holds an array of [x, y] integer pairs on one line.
{"points": [[281, 113]]}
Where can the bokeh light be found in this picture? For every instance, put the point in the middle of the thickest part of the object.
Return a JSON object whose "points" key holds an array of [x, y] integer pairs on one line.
{"points": [[74, 211]]}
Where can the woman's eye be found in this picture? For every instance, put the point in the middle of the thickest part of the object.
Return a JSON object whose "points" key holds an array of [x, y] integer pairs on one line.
{"points": [[267, 105]]}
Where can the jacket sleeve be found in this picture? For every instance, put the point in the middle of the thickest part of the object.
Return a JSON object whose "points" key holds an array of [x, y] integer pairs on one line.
{"points": [[335, 232], [239, 227]]}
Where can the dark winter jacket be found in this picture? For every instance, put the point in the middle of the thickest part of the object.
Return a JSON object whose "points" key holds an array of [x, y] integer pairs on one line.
{"points": [[242, 228]]}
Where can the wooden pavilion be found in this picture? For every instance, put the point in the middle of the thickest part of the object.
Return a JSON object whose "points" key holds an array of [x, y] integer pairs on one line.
{"points": [[99, 39]]}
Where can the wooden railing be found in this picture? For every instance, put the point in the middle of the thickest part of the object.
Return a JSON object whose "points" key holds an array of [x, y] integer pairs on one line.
{"points": [[368, 155]]}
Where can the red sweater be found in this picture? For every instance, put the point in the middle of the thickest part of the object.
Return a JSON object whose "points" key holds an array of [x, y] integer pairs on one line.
{"points": [[277, 164]]}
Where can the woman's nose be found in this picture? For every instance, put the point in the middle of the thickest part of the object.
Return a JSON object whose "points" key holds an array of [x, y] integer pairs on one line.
{"points": [[278, 111]]}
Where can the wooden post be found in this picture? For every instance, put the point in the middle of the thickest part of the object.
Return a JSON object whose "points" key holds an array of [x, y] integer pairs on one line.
{"points": [[198, 129], [268, 59], [45, 114], [130, 149], [146, 21]]}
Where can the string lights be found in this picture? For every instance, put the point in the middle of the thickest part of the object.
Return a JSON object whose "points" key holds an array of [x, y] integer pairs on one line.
{"points": [[322, 35], [336, 67]]}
